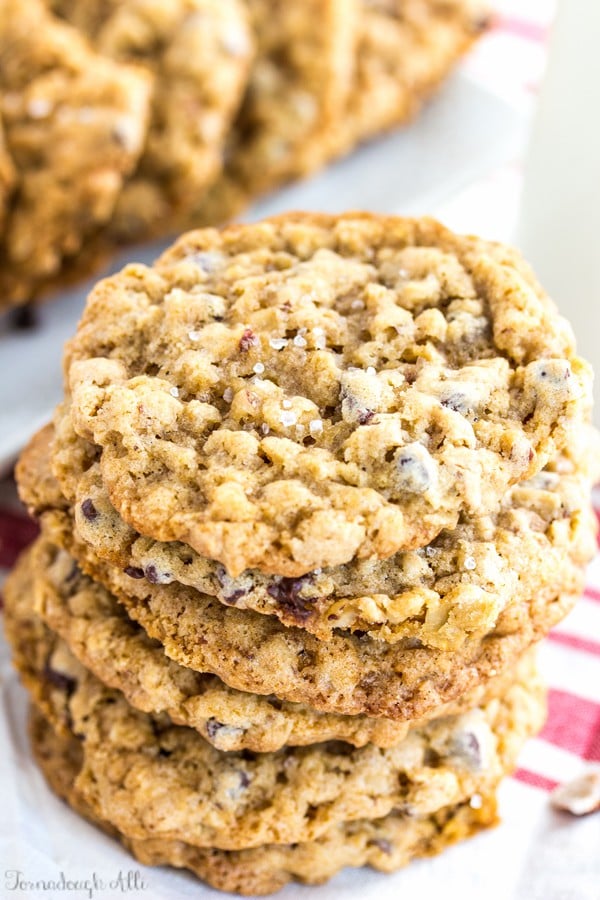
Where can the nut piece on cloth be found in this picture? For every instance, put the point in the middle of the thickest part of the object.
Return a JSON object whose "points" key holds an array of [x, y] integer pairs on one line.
{"points": [[580, 797]]}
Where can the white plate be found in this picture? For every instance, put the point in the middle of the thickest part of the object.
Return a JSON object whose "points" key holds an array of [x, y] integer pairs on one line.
{"points": [[463, 134]]}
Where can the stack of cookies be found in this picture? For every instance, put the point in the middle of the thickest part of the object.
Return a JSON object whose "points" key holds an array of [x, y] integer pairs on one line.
{"points": [[317, 487], [122, 120]]}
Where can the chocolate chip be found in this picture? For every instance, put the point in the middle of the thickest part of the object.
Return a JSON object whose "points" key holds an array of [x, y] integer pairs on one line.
{"points": [[467, 749], [134, 572], [365, 416], [25, 318], [155, 576], [247, 340], [233, 589], [286, 591], [59, 679], [383, 845], [212, 727], [89, 510]]}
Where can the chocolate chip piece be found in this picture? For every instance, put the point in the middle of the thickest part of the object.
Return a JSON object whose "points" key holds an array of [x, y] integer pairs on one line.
{"points": [[25, 318], [467, 748], [154, 576], [233, 589], [247, 340], [59, 679], [134, 572], [286, 591], [383, 845], [89, 510], [415, 469], [216, 729]]}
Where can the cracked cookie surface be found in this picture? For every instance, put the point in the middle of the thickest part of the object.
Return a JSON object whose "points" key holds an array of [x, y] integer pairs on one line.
{"points": [[386, 844], [297, 393], [153, 779]]}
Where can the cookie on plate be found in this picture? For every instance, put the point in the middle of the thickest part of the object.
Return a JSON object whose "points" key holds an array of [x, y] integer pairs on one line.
{"points": [[385, 844], [75, 126], [200, 53], [152, 779], [113, 647], [297, 393]]}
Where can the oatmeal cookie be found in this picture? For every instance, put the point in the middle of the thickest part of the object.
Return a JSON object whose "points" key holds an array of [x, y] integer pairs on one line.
{"points": [[153, 779], [441, 595], [350, 674], [297, 393], [200, 53], [298, 85], [101, 636], [404, 50], [385, 844], [75, 127]]}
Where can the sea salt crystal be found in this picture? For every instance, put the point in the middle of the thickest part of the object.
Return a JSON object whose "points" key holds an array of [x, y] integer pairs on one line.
{"points": [[470, 563], [300, 341], [194, 335], [315, 426], [286, 404], [371, 370], [228, 395], [288, 419], [258, 368], [357, 304], [278, 343], [174, 392]]}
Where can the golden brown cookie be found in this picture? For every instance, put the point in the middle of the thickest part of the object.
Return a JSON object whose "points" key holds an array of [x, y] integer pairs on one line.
{"points": [[404, 50], [441, 595], [199, 52], [385, 844], [101, 636], [75, 126], [298, 85], [293, 394], [152, 779]]}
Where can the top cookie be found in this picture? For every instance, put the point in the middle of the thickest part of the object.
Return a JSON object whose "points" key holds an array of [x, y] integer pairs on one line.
{"points": [[296, 393], [200, 52]]}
